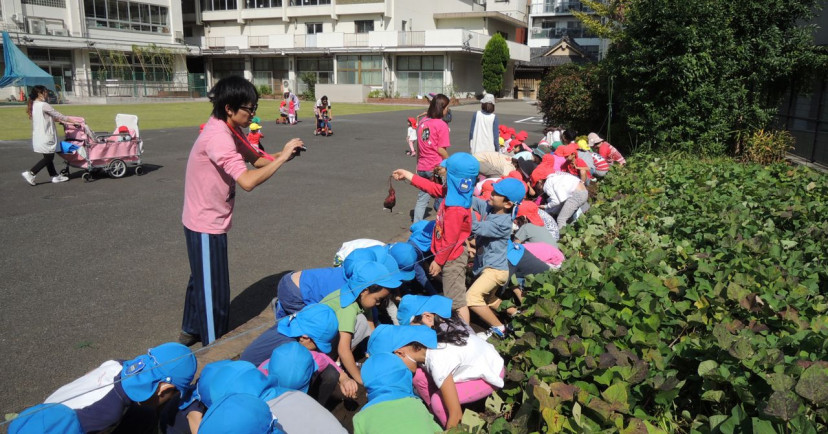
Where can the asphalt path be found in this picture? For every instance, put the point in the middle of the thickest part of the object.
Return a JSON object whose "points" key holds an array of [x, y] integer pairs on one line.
{"points": [[97, 271]]}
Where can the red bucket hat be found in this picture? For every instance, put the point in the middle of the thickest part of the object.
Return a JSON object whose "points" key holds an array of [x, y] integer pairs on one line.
{"points": [[529, 210]]}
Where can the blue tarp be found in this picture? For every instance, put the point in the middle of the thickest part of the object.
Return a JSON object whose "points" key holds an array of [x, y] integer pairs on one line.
{"points": [[20, 70]]}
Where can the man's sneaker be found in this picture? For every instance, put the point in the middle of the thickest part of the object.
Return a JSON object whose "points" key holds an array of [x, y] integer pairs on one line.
{"points": [[59, 178], [187, 339], [29, 177]]}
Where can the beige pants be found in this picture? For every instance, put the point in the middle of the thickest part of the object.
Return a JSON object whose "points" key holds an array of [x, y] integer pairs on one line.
{"points": [[454, 280], [483, 291]]}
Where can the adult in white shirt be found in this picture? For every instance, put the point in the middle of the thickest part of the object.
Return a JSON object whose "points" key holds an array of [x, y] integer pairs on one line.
{"points": [[44, 134], [483, 133]]}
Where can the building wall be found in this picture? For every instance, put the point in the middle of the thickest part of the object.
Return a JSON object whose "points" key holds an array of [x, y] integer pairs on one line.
{"points": [[421, 12]]}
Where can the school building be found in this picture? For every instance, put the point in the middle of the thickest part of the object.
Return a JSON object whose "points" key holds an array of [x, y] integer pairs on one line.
{"points": [[94, 47], [403, 47]]}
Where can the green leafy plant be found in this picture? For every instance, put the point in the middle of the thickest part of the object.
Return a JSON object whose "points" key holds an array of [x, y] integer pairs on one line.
{"points": [[767, 147], [309, 78], [376, 93], [569, 95], [494, 61], [692, 301], [265, 90]]}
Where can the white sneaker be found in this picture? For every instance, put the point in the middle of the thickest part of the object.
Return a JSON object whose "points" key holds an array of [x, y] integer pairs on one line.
{"points": [[59, 178], [29, 177]]}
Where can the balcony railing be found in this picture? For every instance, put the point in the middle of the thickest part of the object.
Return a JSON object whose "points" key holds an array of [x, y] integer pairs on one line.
{"points": [[258, 41], [356, 39], [558, 7], [213, 42], [537, 33], [411, 39]]}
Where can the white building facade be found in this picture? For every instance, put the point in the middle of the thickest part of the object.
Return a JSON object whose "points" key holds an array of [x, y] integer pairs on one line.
{"points": [[550, 20], [94, 46], [403, 47]]}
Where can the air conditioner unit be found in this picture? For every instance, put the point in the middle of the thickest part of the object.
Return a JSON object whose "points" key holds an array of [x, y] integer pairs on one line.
{"points": [[37, 27], [537, 30], [59, 32], [288, 85]]}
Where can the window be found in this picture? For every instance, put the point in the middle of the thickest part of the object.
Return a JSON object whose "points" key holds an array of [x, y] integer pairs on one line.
{"points": [[226, 67], [52, 3], [309, 2], [364, 26], [321, 66], [219, 5], [504, 34], [359, 70], [254, 4], [420, 63], [313, 28], [126, 15]]}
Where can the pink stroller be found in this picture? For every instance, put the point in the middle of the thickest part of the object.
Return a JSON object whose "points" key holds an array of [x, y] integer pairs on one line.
{"points": [[111, 153]]}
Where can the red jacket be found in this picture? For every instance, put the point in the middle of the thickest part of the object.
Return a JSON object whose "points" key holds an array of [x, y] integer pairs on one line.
{"points": [[452, 227]]}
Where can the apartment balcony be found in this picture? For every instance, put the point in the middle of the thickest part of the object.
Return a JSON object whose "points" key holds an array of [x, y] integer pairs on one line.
{"points": [[558, 33], [441, 40], [557, 7]]}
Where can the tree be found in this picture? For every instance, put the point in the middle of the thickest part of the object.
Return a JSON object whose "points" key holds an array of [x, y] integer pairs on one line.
{"points": [[697, 74], [607, 21], [494, 61], [569, 96], [309, 78]]}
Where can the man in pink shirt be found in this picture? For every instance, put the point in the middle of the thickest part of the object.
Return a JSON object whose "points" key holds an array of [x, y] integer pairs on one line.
{"points": [[217, 162]]}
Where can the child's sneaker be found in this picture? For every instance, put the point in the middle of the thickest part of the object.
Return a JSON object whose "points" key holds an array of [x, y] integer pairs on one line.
{"points": [[29, 177], [59, 178]]}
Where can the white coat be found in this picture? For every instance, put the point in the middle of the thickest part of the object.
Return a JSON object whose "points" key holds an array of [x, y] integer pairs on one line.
{"points": [[44, 133]]}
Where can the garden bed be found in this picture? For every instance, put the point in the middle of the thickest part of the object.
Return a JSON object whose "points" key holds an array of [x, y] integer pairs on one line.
{"points": [[692, 300]]}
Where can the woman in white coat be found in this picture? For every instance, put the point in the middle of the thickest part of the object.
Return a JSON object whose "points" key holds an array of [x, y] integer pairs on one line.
{"points": [[44, 134]]}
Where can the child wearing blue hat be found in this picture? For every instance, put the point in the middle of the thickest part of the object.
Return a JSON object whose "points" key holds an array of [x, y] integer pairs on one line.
{"points": [[291, 368], [46, 419], [492, 234], [420, 239], [453, 224], [370, 283], [239, 413], [315, 327], [389, 339], [392, 405], [301, 288], [132, 390]]}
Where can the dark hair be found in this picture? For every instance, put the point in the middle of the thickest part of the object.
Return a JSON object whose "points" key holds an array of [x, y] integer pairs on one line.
{"points": [[437, 105], [233, 91], [325, 97], [417, 346], [449, 330], [487, 107], [568, 135], [33, 95]]}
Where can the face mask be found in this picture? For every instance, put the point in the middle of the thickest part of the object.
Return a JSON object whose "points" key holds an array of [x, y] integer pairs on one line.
{"points": [[409, 358]]}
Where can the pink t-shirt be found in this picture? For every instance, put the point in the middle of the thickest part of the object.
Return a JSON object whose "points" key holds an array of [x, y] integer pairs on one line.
{"points": [[545, 252], [210, 181], [431, 134]]}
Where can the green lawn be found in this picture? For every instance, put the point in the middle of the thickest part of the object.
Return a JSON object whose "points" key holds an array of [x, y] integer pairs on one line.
{"points": [[164, 115]]}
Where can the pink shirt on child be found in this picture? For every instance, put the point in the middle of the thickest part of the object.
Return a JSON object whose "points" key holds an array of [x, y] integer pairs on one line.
{"points": [[431, 134], [213, 167]]}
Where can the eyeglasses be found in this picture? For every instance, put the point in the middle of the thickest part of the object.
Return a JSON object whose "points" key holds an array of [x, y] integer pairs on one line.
{"points": [[250, 109]]}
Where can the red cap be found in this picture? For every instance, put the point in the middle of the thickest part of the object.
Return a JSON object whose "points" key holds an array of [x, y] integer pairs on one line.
{"points": [[412, 122], [522, 136], [486, 190], [123, 129], [566, 150], [529, 209]]}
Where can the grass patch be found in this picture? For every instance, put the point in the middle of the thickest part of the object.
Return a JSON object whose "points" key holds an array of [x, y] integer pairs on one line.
{"points": [[165, 115]]}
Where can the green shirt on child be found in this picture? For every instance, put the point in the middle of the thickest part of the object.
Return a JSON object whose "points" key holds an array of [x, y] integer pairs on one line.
{"points": [[345, 315], [400, 416]]}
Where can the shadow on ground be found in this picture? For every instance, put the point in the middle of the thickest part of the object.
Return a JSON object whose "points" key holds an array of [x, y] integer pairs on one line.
{"points": [[253, 300]]}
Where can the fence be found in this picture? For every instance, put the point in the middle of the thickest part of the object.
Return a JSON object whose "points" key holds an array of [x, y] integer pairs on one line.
{"points": [[136, 85], [806, 117]]}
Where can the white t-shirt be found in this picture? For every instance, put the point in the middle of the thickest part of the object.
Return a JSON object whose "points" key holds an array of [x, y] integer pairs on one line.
{"points": [[477, 359], [559, 186], [412, 134]]}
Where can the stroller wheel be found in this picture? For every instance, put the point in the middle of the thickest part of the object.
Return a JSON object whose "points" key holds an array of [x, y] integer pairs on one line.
{"points": [[139, 170], [87, 176], [116, 168]]}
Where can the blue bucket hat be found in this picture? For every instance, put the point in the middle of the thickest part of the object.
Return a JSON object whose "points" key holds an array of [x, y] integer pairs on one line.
{"points": [[171, 363], [386, 378], [239, 413], [291, 367], [406, 257], [316, 321], [202, 388], [238, 377], [461, 174], [358, 256], [365, 275], [514, 252], [46, 419], [511, 188], [421, 234], [413, 305], [389, 338]]}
